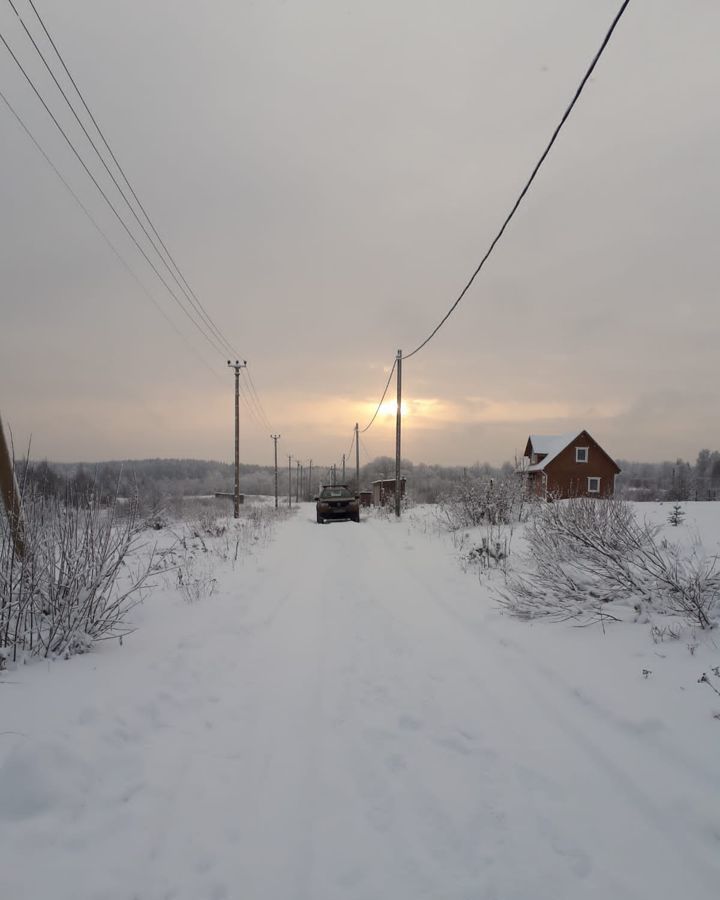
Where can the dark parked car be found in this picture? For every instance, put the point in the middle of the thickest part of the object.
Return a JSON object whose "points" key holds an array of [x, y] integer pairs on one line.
{"points": [[337, 501]]}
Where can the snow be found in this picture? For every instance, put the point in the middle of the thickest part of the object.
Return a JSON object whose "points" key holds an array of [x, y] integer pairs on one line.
{"points": [[350, 717], [551, 445]]}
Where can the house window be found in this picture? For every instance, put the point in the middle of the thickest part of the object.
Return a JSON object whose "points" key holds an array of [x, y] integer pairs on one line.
{"points": [[581, 454], [593, 485]]}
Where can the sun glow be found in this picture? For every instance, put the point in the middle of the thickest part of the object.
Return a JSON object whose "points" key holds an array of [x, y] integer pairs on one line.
{"points": [[389, 408]]}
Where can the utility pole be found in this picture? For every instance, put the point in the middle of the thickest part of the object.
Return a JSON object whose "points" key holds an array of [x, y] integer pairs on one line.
{"points": [[237, 365], [398, 430], [11, 495], [298, 476], [276, 438], [310, 490], [334, 477], [357, 458], [343, 481], [289, 480]]}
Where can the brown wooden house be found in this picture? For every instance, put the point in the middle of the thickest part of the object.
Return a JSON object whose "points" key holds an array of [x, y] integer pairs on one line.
{"points": [[568, 465]]}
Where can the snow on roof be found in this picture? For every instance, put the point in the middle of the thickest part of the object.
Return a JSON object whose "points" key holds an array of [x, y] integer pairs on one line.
{"points": [[551, 445]]}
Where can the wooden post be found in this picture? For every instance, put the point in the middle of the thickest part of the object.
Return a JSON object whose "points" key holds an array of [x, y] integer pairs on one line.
{"points": [[357, 458], [237, 365], [398, 429], [275, 438], [11, 495]]}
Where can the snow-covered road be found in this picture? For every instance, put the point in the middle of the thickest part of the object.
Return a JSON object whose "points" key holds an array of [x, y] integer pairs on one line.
{"points": [[349, 717]]}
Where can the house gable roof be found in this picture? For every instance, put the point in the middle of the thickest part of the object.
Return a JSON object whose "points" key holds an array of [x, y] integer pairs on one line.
{"points": [[553, 445]]}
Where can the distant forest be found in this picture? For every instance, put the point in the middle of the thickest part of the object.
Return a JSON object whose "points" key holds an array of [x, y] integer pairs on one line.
{"points": [[157, 480]]}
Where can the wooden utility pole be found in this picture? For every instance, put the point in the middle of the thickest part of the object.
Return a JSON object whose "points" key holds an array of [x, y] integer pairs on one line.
{"points": [[11, 495], [398, 430], [357, 458], [276, 438], [289, 480], [237, 365], [298, 478], [334, 475], [310, 490], [343, 478]]}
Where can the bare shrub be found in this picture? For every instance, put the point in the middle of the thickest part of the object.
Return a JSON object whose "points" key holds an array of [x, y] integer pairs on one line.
{"points": [[81, 573], [476, 501], [195, 579], [208, 524], [496, 506], [207, 541], [586, 556]]}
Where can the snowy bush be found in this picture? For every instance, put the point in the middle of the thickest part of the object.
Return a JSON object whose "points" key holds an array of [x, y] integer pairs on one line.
{"points": [[494, 507], [195, 579], [587, 557], [77, 579], [207, 541], [476, 501]]}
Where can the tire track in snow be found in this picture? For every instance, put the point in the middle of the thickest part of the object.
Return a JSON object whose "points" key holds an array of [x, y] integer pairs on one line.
{"points": [[623, 780]]}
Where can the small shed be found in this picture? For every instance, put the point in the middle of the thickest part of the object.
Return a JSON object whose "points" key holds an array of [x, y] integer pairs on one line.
{"points": [[383, 491], [366, 498]]}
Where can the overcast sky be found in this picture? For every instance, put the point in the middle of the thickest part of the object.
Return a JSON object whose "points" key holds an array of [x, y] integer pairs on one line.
{"points": [[327, 175]]}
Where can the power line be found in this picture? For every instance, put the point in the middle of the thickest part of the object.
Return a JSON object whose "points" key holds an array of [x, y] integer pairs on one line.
{"points": [[363, 430], [104, 236], [257, 395], [105, 197], [183, 284], [249, 396], [256, 400], [191, 297], [249, 406], [364, 447], [524, 191], [253, 406]]}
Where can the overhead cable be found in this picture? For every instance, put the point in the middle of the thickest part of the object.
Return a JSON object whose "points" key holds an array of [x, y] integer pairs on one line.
{"points": [[524, 191], [181, 281], [180, 278], [197, 325], [121, 259], [363, 430], [256, 398]]}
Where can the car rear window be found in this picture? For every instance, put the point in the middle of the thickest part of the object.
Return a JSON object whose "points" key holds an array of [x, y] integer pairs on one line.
{"points": [[335, 492]]}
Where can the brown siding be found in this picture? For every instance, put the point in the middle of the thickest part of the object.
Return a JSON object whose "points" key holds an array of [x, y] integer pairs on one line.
{"points": [[536, 484], [567, 478]]}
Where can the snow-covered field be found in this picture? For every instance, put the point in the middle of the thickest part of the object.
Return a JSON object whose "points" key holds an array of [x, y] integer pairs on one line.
{"points": [[349, 715]]}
